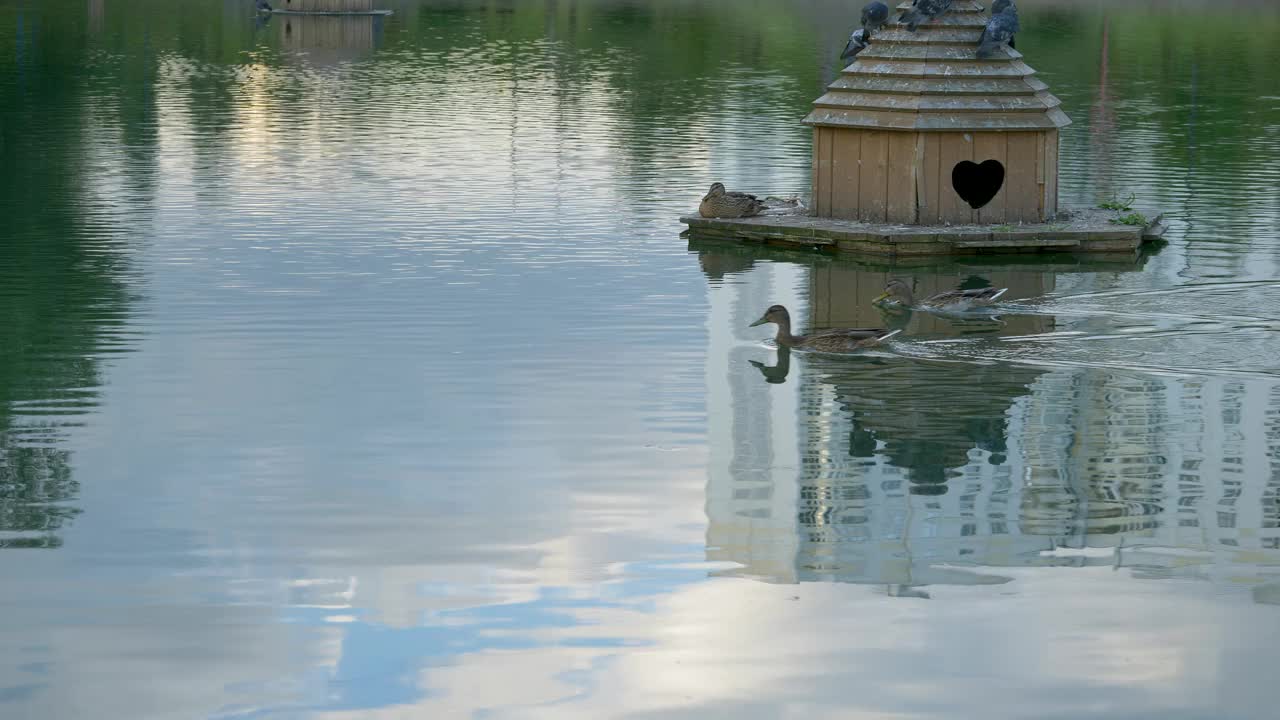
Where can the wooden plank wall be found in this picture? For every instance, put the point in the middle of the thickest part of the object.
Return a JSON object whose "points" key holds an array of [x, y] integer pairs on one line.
{"points": [[1022, 178], [873, 181], [903, 167], [929, 182], [1050, 174], [822, 137], [992, 146], [953, 149], [905, 177], [846, 166]]}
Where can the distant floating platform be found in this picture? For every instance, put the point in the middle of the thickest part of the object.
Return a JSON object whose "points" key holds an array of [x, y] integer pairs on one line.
{"points": [[332, 13], [1083, 231]]}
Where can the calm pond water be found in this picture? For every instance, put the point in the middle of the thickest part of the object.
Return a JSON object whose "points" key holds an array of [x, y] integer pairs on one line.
{"points": [[363, 372]]}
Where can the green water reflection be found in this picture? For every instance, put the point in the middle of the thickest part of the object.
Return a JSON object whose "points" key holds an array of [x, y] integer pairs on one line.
{"points": [[63, 300]]}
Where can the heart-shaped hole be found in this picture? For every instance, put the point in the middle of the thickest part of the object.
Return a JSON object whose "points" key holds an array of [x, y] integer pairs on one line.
{"points": [[977, 184]]}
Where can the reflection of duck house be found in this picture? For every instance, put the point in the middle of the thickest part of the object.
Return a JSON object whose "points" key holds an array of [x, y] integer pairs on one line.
{"points": [[842, 295], [328, 7], [922, 148], [919, 130], [329, 38]]}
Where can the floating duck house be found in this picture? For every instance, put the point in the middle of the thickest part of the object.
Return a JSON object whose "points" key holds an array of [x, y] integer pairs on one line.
{"points": [[919, 130], [920, 147]]}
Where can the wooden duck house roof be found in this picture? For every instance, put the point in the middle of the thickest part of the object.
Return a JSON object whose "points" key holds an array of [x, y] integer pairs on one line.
{"points": [[932, 80]]}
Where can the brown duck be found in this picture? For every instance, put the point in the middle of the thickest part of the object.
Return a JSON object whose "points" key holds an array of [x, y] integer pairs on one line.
{"points": [[833, 340], [720, 203], [897, 292]]}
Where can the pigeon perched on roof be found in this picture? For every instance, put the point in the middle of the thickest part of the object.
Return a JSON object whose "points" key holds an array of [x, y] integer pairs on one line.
{"points": [[922, 10], [874, 16], [999, 31], [998, 7], [858, 42]]}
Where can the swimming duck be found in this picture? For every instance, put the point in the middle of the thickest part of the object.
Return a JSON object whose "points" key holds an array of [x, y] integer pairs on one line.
{"points": [[834, 340], [898, 292], [720, 203]]}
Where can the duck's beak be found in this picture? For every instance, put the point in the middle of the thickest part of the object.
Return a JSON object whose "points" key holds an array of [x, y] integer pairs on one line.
{"points": [[761, 321], [882, 298]]}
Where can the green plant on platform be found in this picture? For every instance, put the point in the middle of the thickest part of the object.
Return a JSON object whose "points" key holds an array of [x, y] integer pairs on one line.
{"points": [[1115, 203], [1136, 219]]}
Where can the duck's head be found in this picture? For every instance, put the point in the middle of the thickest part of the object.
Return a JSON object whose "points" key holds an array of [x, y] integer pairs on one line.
{"points": [[776, 314], [897, 291], [717, 189]]}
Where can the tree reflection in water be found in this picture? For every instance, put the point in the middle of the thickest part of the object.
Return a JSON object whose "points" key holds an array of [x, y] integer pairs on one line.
{"points": [[63, 296]]}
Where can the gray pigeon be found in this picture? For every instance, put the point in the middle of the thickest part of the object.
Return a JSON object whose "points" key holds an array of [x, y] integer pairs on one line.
{"points": [[874, 16], [998, 7], [858, 42], [922, 10], [999, 31]]}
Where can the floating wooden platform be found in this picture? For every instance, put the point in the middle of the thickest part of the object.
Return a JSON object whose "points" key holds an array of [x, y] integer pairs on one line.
{"points": [[1086, 232], [1055, 262]]}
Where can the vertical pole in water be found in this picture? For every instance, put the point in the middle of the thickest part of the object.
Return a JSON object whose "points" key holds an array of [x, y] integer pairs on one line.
{"points": [[19, 57], [1191, 138], [1101, 124]]}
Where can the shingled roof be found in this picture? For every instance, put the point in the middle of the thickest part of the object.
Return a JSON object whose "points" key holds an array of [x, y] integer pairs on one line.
{"points": [[932, 80]]}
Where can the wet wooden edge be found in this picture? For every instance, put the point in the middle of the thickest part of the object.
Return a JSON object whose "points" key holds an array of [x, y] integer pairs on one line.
{"points": [[1091, 236]]}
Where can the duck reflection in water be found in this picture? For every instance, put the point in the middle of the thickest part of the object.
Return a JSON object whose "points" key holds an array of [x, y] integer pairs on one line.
{"points": [[906, 591], [775, 374]]}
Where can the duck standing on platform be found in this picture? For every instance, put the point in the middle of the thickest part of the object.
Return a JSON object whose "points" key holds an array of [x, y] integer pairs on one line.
{"points": [[922, 10], [720, 203], [897, 292], [834, 340], [1000, 28]]}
